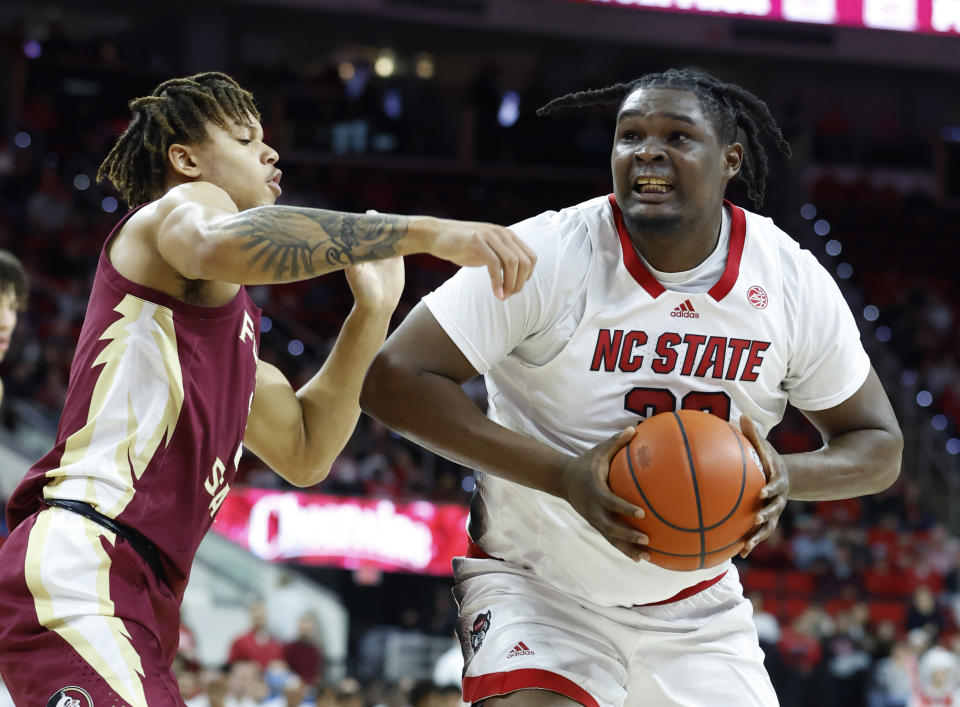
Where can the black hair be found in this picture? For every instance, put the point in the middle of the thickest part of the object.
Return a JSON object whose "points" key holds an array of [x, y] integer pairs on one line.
{"points": [[729, 107], [177, 111]]}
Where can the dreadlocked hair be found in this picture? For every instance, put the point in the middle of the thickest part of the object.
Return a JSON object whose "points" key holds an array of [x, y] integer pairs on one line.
{"points": [[177, 111], [729, 107]]}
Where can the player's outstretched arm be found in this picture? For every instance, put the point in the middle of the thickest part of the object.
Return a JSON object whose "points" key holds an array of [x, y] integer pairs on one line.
{"points": [[861, 455], [203, 236], [414, 387], [300, 433]]}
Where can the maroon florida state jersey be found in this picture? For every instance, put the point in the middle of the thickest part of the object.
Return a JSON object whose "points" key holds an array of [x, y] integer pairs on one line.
{"points": [[154, 419]]}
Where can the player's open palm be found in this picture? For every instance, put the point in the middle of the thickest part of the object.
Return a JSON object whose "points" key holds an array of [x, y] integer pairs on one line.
{"points": [[509, 261], [377, 284], [774, 494], [585, 486]]}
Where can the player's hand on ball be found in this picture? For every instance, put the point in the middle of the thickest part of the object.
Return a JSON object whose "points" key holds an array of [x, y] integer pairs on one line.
{"points": [[509, 261], [584, 486], [774, 494], [376, 284]]}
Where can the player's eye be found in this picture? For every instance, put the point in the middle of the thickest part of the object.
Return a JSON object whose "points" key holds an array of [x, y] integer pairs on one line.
{"points": [[243, 141], [678, 136]]}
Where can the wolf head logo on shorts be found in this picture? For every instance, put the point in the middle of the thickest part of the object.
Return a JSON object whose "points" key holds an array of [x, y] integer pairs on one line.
{"points": [[70, 697], [481, 625]]}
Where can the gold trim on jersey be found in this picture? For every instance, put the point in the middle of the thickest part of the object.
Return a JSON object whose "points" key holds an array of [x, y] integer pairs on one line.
{"points": [[135, 404], [70, 584]]}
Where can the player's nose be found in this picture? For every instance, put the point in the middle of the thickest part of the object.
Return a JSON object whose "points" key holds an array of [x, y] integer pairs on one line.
{"points": [[650, 150], [271, 156]]}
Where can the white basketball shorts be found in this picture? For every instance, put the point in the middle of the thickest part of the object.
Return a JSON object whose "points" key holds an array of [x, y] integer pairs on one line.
{"points": [[519, 633]]}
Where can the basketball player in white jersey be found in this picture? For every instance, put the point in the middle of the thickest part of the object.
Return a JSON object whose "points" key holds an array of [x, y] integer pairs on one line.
{"points": [[658, 297]]}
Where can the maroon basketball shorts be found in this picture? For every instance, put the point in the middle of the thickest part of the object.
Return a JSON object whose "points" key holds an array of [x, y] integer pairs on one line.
{"points": [[86, 622]]}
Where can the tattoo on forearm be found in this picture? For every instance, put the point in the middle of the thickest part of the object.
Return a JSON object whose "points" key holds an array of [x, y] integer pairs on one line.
{"points": [[285, 239]]}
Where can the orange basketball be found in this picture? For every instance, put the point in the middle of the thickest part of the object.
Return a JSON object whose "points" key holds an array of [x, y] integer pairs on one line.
{"points": [[698, 480]]}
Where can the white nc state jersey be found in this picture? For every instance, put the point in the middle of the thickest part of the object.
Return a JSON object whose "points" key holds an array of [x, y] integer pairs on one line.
{"points": [[594, 343]]}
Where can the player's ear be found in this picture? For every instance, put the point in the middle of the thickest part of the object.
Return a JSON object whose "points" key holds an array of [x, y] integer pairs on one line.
{"points": [[732, 159], [183, 160]]}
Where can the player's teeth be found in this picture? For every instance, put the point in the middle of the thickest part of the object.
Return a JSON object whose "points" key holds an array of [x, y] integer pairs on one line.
{"points": [[645, 181]]}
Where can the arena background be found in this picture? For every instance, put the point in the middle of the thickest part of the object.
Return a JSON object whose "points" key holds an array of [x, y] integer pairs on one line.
{"points": [[427, 106]]}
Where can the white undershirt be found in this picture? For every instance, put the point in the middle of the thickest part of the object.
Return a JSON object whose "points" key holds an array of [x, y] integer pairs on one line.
{"points": [[706, 274]]}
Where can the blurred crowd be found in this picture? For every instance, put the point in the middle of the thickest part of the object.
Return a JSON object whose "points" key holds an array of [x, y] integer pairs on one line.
{"points": [[263, 670], [890, 231], [856, 602], [848, 595]]}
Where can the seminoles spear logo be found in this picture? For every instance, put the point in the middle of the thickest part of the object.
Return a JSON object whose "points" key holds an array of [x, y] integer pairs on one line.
{"points": [[481, 625], [72, 696]]}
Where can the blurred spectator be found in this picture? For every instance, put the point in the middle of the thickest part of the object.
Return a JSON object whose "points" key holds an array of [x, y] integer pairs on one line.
{"points": [[768, 627], [924, 613], [349, 693], [304, 654], [257, 644], [424, 694], [13, 297], [810, 542], [848, 664], [936, 680], [245, 686], [802, 682], [893, 678], [295, 693], [279, 679]]}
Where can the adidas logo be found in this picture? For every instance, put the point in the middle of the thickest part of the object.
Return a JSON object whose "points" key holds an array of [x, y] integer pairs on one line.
{"points": [[685, 310], [520, 649]]}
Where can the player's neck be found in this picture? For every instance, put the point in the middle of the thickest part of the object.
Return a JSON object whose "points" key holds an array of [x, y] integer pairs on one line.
{"points": [[681, 247]]}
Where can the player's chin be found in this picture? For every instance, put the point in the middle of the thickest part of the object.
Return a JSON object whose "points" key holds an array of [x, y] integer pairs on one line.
{"points": [[653, 214]]}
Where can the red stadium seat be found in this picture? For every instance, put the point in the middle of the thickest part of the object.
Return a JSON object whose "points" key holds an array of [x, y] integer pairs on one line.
{"points": [[894, 611], [848, 510], [799, 583], [774, 605], [835, 606], [792, 608], [760, 580]]}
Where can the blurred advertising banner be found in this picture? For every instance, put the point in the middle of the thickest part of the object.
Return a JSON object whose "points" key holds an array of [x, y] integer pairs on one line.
{"points": [[339, 531], [936, 16]]}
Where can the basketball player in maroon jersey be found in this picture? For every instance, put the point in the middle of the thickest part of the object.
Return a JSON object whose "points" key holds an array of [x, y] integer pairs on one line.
{"points": [[13, 297], [166, 388], [557, 603]]}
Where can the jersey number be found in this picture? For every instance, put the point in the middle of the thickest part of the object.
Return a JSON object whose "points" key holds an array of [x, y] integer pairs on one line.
{"points": [[647, 402]]}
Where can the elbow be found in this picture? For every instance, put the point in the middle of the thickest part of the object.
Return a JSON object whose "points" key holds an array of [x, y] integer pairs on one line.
{"points": [[306, 477], [890, 455], [304, 473]]}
